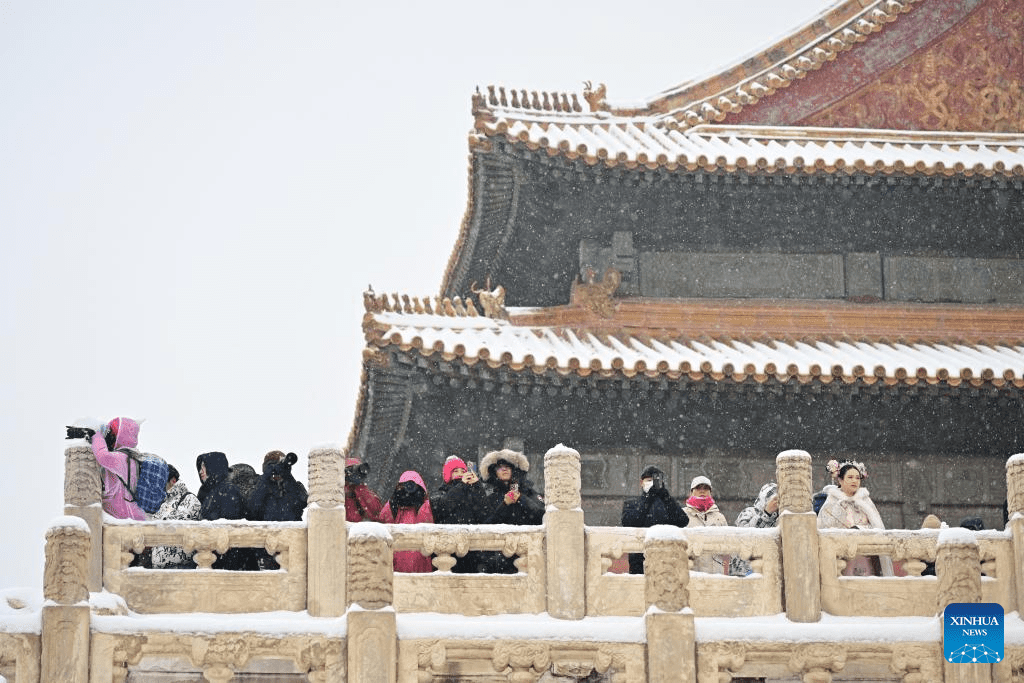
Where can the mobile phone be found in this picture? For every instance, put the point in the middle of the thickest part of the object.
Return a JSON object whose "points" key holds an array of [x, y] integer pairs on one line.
{"points": [[514, 487], [471, 466]]}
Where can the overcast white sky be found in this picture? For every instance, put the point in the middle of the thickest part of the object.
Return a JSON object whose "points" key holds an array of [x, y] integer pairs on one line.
{"points": [[194, 195]]}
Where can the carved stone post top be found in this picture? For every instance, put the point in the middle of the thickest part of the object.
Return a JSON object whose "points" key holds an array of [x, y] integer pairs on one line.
{"points": [[956, 536], [68, 525], [1015, 483], [562, 478], [82, 484], [665, 533], [327, 476], [362, 532], [793, 472], [66, 572]]}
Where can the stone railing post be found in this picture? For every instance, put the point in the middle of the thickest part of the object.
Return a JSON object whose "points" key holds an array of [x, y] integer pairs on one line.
{"points": [[372, 631], [1015, 508], [327, 541], [958, 570], [65, 618], [565, 536], [83, 497], [671, 641], [798, 526]]}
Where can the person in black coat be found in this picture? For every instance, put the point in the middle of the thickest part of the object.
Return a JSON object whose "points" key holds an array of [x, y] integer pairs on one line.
{"points": [[461, 499], [654, 506], [220, 499], [278, 496], [512, 500]]}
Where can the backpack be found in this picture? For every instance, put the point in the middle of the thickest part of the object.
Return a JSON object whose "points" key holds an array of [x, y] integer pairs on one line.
{"points": [[151, 488]]}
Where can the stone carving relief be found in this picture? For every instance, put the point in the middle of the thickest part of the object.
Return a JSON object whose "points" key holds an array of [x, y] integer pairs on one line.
{"points": [[562, 478], [326, 477], [718, 661], [321, 657], [204, 542], [958, 568], [817, 661], [66, 573], [971, 80], [370, 571], [82, 484], [666, 568], [220, 657], [444, 545], [527, 661], [917, 663], [128, 651], [1015, 484], [793, 469], [19, 654]]}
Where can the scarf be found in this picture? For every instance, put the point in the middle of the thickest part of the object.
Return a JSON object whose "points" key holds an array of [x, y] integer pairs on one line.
{"points": [[701, 504]]}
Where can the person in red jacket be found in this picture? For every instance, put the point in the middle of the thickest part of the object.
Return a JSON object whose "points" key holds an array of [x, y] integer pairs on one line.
{"points": [[361, 504], [409, 505]]}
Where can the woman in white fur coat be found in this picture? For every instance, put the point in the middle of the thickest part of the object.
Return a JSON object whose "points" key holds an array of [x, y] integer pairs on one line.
{"points": [[849, 506]]}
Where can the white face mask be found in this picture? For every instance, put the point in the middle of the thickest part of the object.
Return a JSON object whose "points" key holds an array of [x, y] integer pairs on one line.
{"points": [[647, 484]]}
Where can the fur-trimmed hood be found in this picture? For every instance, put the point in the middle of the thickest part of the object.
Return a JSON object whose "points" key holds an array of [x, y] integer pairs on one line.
{"points": [[513, 458]]}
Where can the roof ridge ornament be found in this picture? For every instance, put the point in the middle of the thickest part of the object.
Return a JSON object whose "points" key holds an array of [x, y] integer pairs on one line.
{"points": [[595, 97], [491, 300], [597, 296]]}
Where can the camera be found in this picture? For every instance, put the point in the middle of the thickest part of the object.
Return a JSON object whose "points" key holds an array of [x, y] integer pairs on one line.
{"points": [[357, 474], [79, 432], [659, 481]]}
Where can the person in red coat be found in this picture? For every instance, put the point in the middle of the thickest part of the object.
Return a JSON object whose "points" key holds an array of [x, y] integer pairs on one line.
{"points": [[361, 504], [409, 505]]}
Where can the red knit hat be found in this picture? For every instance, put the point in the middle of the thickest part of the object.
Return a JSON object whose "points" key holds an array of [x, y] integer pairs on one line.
{"points": [[452, 463]]}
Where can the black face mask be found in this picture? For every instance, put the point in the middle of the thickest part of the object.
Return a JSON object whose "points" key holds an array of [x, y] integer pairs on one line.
{"points": [[408, 494]]}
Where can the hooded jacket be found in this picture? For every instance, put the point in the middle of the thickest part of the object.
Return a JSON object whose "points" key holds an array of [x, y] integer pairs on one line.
{"points": [[180, 503], [410, 560], [277, 499], [756, 515], [220, 498], [118, 469], [656, 506]]}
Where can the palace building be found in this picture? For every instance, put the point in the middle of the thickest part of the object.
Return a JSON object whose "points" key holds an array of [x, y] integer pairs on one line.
{"points": [[818, 248]]}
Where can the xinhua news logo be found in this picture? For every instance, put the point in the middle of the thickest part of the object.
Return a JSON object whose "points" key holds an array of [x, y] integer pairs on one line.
{"points": [[972, 633]]}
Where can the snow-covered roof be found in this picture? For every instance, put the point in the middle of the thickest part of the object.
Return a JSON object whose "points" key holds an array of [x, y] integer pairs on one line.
{"points": [[941, 353], [652, 142]]}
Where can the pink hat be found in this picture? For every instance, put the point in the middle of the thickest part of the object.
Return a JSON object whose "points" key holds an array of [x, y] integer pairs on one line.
{"points": [[452, 463]]}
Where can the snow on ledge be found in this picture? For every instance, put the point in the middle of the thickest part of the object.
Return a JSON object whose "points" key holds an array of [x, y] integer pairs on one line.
{"points": [[957, 536], [521, 626], [369, 530], [69, 522], [279, 624], [777, 628]]}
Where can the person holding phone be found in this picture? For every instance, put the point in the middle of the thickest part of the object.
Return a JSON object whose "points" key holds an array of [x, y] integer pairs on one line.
{"points": [[461, 499], [655, 505], [512, 500]]}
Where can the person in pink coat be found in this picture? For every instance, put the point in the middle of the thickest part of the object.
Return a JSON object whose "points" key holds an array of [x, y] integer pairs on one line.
{"points": [[409, 505], [121, 432]]}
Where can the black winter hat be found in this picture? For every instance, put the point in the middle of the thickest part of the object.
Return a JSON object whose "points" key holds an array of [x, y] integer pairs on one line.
{"points": [[651, 472]]}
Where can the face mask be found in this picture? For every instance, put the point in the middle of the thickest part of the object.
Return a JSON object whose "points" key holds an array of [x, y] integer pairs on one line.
{"points": [[648, 483]]}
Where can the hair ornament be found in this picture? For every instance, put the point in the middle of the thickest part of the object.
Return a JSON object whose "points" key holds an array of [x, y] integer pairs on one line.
{"points": [[833, 466]]}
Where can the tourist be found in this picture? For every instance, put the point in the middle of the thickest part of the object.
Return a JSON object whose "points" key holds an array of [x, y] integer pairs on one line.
{"points": [[278, 496], [461, 499], [512, 500], [764, 513], [361, 504], [409, 505], [849, 506], [702, 511], [220, 499], [180, 504], [654, 505], [117, 468]]}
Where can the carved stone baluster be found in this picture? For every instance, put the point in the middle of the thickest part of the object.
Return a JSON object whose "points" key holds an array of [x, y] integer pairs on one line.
{"points": [[83, 493], [563, 527], [1015, 508], [372, 631], [958, 569], [327, 534], [65, 637], [798, 526], [671, 643]]}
